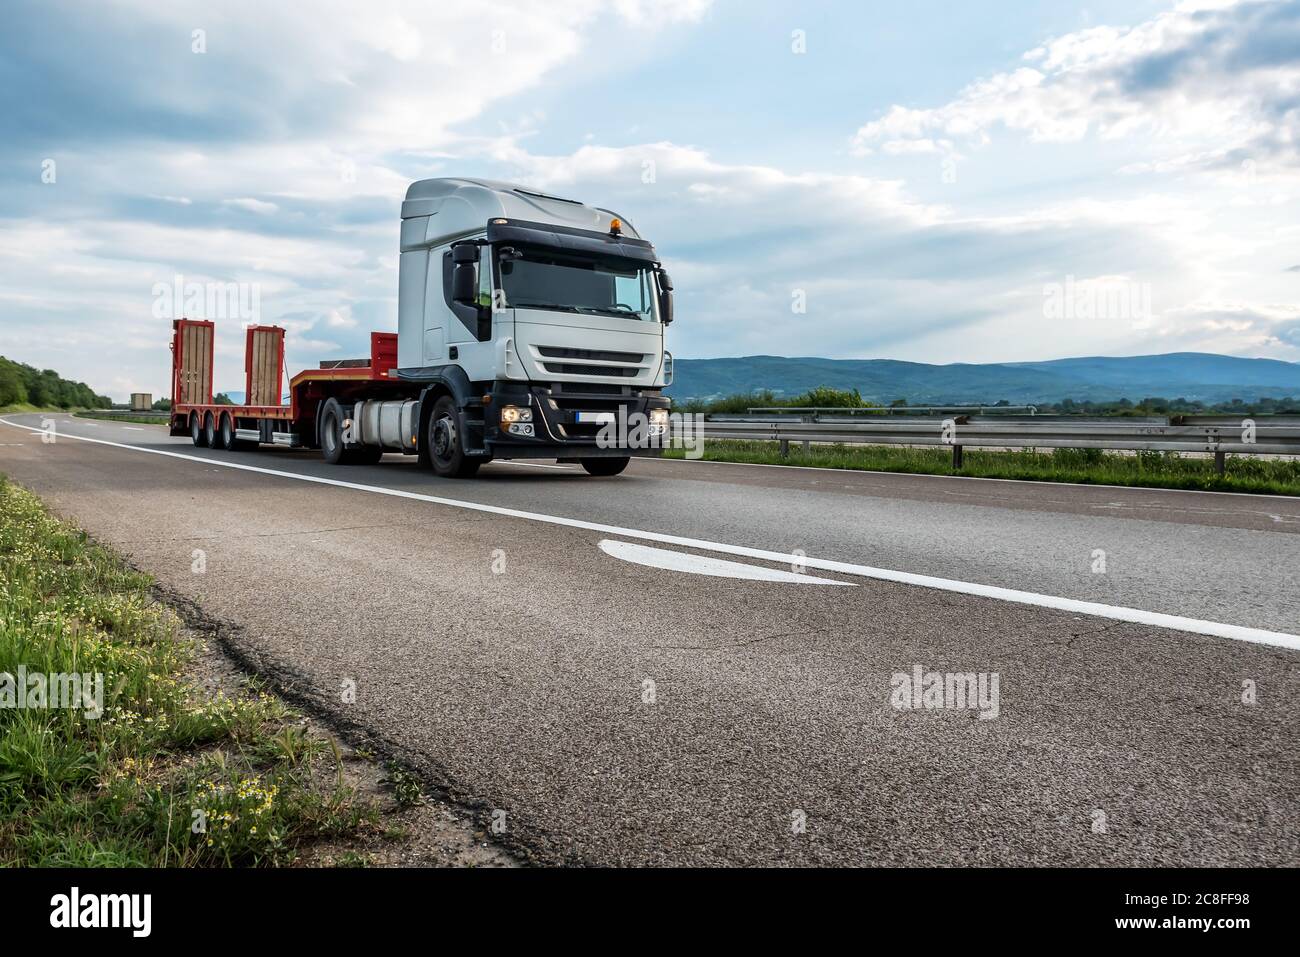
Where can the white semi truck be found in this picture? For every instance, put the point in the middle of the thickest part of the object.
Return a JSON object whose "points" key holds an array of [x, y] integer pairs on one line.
{"points": [[529, 326]]}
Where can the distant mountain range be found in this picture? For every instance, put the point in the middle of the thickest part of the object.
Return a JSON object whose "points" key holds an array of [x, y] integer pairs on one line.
{"points": [[1199, 376], [1191, 375]]}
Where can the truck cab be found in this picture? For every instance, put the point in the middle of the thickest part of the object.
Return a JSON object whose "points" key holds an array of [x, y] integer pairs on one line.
{"points": [[533, 325]]}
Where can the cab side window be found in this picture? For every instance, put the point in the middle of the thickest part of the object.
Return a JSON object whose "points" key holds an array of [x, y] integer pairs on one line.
{"points": [[477, 318], [485, 279]]}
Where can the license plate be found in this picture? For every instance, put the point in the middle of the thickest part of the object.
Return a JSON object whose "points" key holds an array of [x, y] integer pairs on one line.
{"points": [[594, 418]]}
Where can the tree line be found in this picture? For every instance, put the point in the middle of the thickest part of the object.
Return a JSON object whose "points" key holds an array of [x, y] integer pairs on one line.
{"points": [[45, 388]]}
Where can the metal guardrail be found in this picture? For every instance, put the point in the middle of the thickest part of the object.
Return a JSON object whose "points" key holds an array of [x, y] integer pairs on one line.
{"points": [[1218, 435], [895, 409], [125, 414]]}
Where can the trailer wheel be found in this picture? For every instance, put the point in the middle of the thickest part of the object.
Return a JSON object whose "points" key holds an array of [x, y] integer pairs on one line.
{"points": [[210, 432], [197, 435], [446, 450], [226, 435], [605, 466]]}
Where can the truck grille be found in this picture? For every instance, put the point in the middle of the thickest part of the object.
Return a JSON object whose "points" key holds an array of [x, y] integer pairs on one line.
{"points": [[595, 355], [606, 363], [562, 368], [562, 389]]}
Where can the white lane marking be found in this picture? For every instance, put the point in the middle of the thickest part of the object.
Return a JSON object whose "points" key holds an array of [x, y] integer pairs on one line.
{"points": [[1074, 605], [535, 465], [702, 565], [131, 428]]}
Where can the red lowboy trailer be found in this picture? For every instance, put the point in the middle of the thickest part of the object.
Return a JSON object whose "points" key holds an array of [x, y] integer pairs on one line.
{"points": [[264, 418]]}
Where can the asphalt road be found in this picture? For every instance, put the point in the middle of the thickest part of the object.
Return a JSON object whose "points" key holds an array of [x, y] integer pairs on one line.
{"points": [[551, 647]]}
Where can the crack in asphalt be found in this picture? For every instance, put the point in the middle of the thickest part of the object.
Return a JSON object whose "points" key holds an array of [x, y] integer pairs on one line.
{"points": [[296, 686], [251, 535], [727, 645]]}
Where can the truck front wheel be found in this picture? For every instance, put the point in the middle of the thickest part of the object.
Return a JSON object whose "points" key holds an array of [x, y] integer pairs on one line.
{"points": [[445, 444], [605, 466]]}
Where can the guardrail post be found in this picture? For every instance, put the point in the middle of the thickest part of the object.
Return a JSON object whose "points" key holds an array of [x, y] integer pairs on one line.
{"points": [[956, 456], [785, 448], [1220, 462]]}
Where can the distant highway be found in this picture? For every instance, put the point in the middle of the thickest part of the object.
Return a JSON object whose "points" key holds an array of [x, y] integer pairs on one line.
{"points": [[700, 663]]}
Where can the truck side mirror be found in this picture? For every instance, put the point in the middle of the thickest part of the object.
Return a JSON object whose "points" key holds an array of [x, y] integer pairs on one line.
{"points": [[665, 298], [464, 283]]}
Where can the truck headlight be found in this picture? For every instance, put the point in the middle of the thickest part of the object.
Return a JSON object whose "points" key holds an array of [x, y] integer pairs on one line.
{"points": [[658, 416], [513, 413]]}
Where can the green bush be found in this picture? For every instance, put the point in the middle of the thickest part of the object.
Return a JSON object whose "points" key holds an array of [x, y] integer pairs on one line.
{"points": [[821, 397]]}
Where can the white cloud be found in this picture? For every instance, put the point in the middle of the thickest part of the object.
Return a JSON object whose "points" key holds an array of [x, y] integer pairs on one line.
{"points": [[1236, 327], [1217, 84], [252, 205], [381, 75]]}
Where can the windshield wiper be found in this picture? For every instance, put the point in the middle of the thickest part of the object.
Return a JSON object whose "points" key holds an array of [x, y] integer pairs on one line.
{"points": [[545, 305], [593, 310]]}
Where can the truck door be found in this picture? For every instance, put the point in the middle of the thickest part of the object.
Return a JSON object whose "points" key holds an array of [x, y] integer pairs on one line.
{"points": [[476, 356]]}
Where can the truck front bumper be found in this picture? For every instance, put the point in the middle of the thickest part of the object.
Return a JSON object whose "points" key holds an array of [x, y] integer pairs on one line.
{"points": [[575, 424]]}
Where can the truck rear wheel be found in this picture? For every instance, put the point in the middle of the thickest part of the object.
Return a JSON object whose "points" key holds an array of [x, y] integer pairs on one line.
{"points": [[445, 445], [605, 466], [331, 433], [210, 432], [331, 440], [197, 435]]}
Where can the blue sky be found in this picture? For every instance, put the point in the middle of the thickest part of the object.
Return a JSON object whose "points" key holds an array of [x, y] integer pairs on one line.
{"points": [[919, 178]]}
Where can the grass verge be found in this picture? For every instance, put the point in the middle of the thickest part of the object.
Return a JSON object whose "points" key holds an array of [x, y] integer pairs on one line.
{"points": [[163, 774], [1083, 466]]}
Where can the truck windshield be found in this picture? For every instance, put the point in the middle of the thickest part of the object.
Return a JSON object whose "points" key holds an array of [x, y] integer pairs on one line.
{"points": [[607, 287]]}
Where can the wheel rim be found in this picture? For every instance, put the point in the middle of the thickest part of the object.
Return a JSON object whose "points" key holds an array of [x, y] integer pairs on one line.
{"points": [[444, 439], [328, 439]]}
